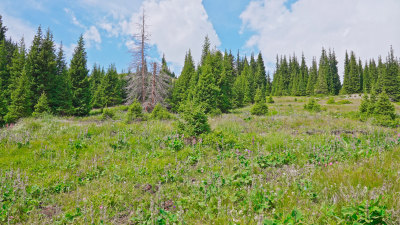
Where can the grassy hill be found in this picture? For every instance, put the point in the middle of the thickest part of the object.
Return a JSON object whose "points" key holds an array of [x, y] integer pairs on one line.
{"points": [[289, 167]]}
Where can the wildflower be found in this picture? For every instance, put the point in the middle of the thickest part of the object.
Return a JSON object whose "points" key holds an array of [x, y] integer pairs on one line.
{"points": [[398, 135], [330, 163], [101, 207], [11, 217]]}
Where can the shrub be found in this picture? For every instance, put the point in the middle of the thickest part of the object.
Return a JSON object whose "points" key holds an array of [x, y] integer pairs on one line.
{"points": [[331, 100], [270, 99], [160, 113], [195, 121], [259, 109], [135, 112], [107, 114], [312, 105], [343, 102]]}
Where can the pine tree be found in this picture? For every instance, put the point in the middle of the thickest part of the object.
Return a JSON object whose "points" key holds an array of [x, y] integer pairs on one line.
{"points": [[78, 73], [346, 77], [206, 92], [4, 73], [366, 79], [312, 78], [321, 87], [3, 105], [206, 50], [373, 73], [239, 91], [17, 64], [95, 79], [34, 65], [354, 76], [165, 69], [334, 75], [3, 30], [20, 100], [225, 84], [42, 106], [181, 85], [62, 104], [46, 81], [384, 107], [109, 90], [390, 79], [303, 78]]}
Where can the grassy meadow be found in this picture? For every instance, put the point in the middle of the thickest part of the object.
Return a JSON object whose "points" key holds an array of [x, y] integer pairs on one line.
{"points": [[289, 167]]}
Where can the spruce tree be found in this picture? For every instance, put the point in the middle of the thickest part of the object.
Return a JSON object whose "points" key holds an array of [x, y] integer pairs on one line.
{"points": [[183, 83], [225, 84], [207, 92], [384, 107], [206, 50], [303, 79], [78, 73], [109, 90], [21, 105], [390, 79], [42, 106], [366, 79], [312, 78], [321, 87], [346, 77], [62, 102], [3, 30], [46, 81], [334, 75], [3, 105], [354, 76], [17, 64], [95, 78], [239, 91]]}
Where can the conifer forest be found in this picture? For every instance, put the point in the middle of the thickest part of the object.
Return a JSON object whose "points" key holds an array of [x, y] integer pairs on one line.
{"points": [[224, 140]]}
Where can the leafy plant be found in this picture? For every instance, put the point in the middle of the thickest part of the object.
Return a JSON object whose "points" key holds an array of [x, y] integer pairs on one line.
{"points": [[369, 213]]}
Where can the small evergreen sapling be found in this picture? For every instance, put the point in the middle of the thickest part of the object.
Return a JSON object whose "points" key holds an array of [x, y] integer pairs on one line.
{"points": [[42, 106], [160, 113], [135, 111], [259, 108], [195, 121], [312, 105]]}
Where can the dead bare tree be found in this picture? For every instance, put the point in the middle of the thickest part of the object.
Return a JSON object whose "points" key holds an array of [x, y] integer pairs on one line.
{"points": [[149, 88], [138, 82]]}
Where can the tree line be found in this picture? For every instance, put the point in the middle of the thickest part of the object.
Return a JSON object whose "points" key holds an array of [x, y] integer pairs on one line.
{"points": [[41, 75], [222, 81], [30, 79]]}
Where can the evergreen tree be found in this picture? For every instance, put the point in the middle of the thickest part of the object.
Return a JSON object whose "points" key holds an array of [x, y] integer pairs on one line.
{"points": [[165, 69], [312, 78], [96, 76], [373, 73], [321, 87], [354, 76], [42, 106], [3, 105], [360, 73], [207, 92], [206, 50], [334, 75], [109, 90], [384, 107], [4, 73], [78, 73], [3, 30], [62, 104], [183, 83], [239, 91], [366, 79], [17, 65], [225, 84], [34, 65], [346, 77], [390, 79], [20, 100], [303, 78]]}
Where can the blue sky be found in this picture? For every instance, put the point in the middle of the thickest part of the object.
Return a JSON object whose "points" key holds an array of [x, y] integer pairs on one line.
{"points": [[270, 26]]}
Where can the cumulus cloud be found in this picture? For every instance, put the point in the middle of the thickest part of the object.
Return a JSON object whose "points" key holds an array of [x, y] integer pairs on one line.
{"points": [[175, 27], [368, 27], [92, 36], [18, 28]]}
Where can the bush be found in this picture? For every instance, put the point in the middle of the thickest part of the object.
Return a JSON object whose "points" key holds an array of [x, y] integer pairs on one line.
{"points": [[270, 99], [259, 109], [107, 114], [160, 113], [135, 112], [312, 105], [382, 110], [343, 102], [195, 121], [331, 100]]}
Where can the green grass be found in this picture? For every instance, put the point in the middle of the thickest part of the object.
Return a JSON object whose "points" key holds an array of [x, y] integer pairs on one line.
{"points": [[291, 165]]}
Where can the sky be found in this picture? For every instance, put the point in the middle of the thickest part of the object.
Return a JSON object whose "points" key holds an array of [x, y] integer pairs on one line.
{"points": [[272, 27]]}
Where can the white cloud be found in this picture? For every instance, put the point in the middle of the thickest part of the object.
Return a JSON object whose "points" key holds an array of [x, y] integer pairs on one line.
{"points": [[92, 36], [175, 26], [18, 28], [368, 27]]}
